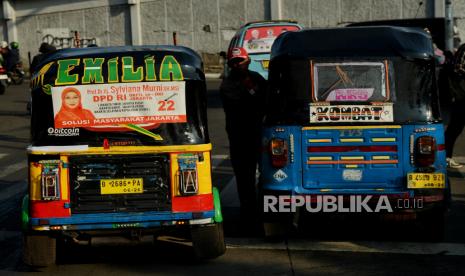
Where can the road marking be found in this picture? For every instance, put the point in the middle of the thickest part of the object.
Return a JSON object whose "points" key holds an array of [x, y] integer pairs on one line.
{"points": [[10, 169], [12, 190], [217, 159], [411, 248]]}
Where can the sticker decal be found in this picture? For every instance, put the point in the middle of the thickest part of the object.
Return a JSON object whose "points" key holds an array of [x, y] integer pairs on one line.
{"points": [[280, 175], [352, 175], [101, 105], [321, 113]]}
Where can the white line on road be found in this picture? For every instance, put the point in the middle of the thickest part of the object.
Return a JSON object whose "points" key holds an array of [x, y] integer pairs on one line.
{"points": [[451, 249], [5, 171], [217, 159], [12, 190]]}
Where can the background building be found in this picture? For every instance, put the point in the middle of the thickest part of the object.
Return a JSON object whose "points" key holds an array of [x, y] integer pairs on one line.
{"points": [[204, 25]]}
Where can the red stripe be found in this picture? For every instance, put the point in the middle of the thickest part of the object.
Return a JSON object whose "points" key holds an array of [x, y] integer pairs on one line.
{"points": [[49, 209], [441, 147], [352, 148], [195, 203]]}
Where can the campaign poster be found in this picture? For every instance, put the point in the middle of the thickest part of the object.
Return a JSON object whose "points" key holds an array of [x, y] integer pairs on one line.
{"points": [[107, 105], [260, 39]]}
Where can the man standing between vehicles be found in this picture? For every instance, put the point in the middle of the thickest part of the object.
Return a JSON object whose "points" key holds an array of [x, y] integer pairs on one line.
{"points": [[457, 116], [242, 93]]}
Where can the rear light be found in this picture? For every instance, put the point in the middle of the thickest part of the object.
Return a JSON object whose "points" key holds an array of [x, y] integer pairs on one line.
{"points": [[50, 180], [2, 70], [425, 151], [188, 182], [278, 152]]}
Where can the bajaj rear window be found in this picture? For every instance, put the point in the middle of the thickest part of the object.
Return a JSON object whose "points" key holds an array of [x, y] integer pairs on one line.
{"points": [[350, 82]]}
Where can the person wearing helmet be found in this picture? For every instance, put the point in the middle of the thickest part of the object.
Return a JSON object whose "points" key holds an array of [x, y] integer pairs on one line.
{"points": [[7, 56], [242, 93]]}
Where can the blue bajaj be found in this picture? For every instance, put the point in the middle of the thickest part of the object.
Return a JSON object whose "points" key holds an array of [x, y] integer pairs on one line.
{"points": [[353, 112]]}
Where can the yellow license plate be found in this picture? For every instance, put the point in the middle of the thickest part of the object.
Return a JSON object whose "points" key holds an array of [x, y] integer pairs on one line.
{"points": [[425, 180], [121, 186], [265, 64]]}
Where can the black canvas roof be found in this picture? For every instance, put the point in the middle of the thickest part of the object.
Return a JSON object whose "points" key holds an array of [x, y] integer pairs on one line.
{"points": [[189, 60], [371, 41]]}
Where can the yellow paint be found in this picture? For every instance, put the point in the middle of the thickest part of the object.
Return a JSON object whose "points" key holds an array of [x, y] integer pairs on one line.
{"points": [[64, 178], [35, 171], [203, 174], [325, 190], [350, 140], [320, 158], [352, 158], [379, 190], [320, 140], [381, 157], [393, 139], [41, 228], [350, 127], [352, 166], [130, 150]]}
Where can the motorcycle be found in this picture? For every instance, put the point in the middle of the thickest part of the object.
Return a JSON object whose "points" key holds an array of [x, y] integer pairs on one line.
{"points": [[4, 80], [17, 74]]}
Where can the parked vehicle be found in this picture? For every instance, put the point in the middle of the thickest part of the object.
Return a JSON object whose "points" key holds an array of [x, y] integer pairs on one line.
{"points": [[119, 146], [257, 38], [17, 75], [4, 80], [354, 111]]}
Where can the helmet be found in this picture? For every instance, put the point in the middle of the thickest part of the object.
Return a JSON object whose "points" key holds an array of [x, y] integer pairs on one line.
{"points": [[237, 54], [4, 44], [14, 45]]}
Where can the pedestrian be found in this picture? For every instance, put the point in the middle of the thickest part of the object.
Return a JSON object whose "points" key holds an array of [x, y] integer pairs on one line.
{"points": [[457, 116], [242, 93], [44, 49]]}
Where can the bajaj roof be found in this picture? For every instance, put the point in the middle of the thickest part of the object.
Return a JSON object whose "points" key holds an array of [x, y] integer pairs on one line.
{"points": [[372, 41], [190, 61]]}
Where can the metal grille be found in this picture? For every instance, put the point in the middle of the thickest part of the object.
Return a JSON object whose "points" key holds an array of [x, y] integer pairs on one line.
{"points": [[87, 171]]}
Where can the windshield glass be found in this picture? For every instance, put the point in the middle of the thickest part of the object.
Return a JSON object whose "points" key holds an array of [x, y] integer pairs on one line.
{"points": [[346, 82]]}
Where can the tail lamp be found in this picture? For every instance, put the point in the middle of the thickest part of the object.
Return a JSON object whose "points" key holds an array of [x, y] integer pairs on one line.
{"points": [[425, 151], [50, 180], [2, 70], [278, 152], [188, 179]]}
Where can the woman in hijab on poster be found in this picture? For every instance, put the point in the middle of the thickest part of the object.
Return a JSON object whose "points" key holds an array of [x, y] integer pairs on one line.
{"points": [[71, 107]]}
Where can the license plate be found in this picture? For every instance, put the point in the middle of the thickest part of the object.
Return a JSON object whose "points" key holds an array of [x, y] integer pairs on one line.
{"points": [[121, 186], [265, 64], [3, 77], [425, 180]]}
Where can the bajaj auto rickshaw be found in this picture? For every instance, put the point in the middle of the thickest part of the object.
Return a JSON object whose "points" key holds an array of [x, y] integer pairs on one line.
{"points": [[353, 111], [119, 146]]}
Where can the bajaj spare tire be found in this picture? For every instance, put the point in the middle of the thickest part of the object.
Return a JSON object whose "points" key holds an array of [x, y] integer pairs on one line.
{"points": [[208, 241]]}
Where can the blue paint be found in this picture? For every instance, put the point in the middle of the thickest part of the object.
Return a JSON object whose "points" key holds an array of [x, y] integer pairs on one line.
{"points": [[112, 218]]}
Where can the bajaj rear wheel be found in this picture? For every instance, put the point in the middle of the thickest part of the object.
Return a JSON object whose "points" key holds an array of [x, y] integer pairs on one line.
{"points": [[39, 250], [208, 241]]}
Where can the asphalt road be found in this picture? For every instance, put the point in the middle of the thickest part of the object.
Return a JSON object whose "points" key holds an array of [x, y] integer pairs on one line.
{"points": [[328, 246]]}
